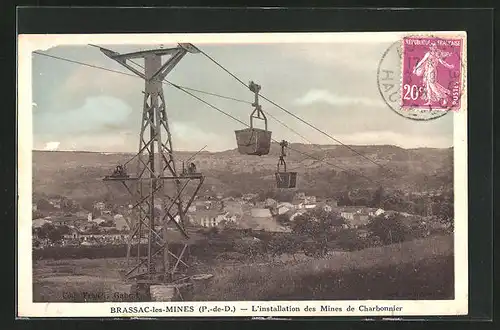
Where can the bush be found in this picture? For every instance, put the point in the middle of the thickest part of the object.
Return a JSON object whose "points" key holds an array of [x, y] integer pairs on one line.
{"points": [[250, 248], [283, 219], [319, 227], [389, 229], [281, 244], [349, 240]]}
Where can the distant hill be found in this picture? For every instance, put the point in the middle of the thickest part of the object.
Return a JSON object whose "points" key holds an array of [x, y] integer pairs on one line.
{"points": [[323, 169]]}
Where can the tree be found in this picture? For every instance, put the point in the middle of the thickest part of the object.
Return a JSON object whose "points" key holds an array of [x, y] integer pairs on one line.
{"points": [[344, 199], [44, 205], [283, 244], [88, 204], [389, 229], [228, 224], [446, 212], [53, 233], [283, 219], [349, 240], [319, 226], [108, 223], [94, 230], [250, 247], [378, 197], [36, 215], [35, 232]]}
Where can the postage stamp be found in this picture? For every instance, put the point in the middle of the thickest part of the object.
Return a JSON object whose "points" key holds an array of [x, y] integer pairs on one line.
{"points": [[431, 73]]}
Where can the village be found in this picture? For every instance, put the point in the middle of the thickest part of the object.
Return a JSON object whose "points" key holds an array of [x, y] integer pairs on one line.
{"points": [[110, 224]]}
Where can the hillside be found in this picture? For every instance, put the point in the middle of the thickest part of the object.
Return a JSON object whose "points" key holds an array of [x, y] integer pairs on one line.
{"points": [[78, 174], [419, 269]]}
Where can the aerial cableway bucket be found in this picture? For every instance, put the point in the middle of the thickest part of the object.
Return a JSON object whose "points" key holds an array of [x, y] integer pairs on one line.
{"points": [[254, 141], [284, 179]]}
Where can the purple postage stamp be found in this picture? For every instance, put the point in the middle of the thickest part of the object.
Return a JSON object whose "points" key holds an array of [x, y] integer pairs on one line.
{"points": [[432, 73]]}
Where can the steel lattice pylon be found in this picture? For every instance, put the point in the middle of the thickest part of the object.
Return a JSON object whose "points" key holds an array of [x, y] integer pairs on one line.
{"points": [[156, 167]]}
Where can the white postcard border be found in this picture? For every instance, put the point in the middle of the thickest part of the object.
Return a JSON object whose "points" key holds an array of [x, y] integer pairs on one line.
{"points": [[27, 308]]}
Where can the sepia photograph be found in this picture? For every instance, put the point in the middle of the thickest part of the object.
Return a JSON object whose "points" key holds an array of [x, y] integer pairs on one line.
{"points": [[268, 174]]}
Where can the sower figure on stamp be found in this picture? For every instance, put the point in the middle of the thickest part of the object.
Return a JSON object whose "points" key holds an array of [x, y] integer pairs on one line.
{"points": [[434, 92]]}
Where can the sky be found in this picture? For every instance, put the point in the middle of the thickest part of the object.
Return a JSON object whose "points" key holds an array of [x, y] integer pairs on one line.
{"points": [[333, 86]]}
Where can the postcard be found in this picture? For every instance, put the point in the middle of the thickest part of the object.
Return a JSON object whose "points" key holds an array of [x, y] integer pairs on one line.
{"points": [[255, 175]]}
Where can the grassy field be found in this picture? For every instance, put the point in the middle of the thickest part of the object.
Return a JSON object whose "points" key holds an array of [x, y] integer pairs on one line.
{"points": [[420, 269]]}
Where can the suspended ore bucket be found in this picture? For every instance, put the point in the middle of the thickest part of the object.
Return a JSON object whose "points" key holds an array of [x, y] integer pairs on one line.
{"points": [[253, 141], [286, 179]]}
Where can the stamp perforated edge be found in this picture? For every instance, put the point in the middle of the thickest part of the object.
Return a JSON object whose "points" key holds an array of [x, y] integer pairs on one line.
{"points": [[462, 35]]}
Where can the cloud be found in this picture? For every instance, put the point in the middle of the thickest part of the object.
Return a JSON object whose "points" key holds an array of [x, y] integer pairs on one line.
{"points": [[52, 146], [84, 82], [100, 113], [323, 96], [186, 136], [359, 56], [117, 142]]}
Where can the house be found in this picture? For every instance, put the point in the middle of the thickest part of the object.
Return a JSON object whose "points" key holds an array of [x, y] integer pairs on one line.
{"points": [[269, 202], [261, 219], [97, 239], [56, 204], [260, 213], [203, 204], [299, 196], [120, 222], [297, 213], [359, 219], [40, 222], [226, 217], [206, 218], [98, 220], [356, 215], [283, 208], [377, 212], [74, 233], [81, 214], [325, 207], [332, 202], [347, 212], [100, 206], [64, 220], [363, 233], [308, 200], [249, 197], [233, 207]]}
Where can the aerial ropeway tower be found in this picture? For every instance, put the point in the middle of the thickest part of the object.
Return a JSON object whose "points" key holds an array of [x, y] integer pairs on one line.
{"points": [[156, 180]]}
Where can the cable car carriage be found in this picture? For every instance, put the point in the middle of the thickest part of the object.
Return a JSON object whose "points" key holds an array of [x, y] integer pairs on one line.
{"points": [[284, 179], [254, 141]]}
